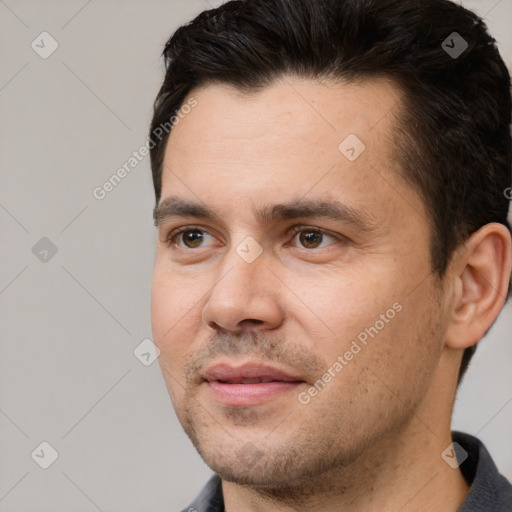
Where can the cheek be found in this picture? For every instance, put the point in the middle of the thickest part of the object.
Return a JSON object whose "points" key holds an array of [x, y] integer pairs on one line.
{"points": [[172, 299], [171, 311], [339, 307], [163, 313], [406, 351], [382, 331], [166, 312]]}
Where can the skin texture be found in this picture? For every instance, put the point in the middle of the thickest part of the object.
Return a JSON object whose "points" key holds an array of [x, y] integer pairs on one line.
{"points": [[372, 438]]}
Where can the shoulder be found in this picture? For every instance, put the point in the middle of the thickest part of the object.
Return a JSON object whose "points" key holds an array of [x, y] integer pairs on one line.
{"points": [[489, 489]]}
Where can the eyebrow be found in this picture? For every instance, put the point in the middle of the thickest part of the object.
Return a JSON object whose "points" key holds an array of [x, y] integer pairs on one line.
{"points": [[172, 207]]}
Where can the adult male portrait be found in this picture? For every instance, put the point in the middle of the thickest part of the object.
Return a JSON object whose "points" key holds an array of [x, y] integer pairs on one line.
{"points": [[332, 245]]}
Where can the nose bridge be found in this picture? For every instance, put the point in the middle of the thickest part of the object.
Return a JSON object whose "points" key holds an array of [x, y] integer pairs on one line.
{"points": [[245, 289], [245, 255], [245, 265]]}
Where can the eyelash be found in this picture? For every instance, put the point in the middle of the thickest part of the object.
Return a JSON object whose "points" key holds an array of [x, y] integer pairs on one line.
{"points": [[293, 231]]}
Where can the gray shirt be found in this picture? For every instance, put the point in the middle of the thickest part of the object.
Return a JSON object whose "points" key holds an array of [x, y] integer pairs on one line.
{"points": [[489, 491]]}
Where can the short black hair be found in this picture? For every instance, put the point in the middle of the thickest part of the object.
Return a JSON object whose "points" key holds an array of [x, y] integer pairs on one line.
{"points": [[453, 129]]}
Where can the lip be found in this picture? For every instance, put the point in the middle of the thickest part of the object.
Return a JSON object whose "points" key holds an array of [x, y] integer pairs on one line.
{"points": [[226, 383]]}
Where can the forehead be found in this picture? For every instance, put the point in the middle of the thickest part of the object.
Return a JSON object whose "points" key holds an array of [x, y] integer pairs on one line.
{"points": [[292, 139], [292, 109]]}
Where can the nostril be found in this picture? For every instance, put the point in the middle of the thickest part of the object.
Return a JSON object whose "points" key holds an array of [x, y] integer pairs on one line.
{"points": [[252, 321]]}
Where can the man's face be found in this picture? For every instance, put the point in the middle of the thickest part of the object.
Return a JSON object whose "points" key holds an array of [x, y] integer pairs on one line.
{"points": [[240, 299]]}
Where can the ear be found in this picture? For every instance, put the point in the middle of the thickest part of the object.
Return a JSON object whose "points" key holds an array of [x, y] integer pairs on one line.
{"points": [[480, 274]]}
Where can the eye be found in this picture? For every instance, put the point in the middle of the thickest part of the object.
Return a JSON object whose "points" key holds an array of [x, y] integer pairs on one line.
{"points": [[312, 238], [192, 237]]}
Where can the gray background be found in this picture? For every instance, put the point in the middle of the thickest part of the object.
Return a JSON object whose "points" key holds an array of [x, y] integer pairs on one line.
{"points": [[68, 375]]}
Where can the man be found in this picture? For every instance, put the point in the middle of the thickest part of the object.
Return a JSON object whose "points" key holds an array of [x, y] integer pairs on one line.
{"points": [[332, 244]]}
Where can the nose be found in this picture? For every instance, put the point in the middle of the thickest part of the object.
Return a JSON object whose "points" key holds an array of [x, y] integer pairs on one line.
{"points": [[246, 296]]}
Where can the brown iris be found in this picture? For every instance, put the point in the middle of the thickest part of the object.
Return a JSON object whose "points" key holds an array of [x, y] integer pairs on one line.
{"points": [[309, 238], [192, 238]]}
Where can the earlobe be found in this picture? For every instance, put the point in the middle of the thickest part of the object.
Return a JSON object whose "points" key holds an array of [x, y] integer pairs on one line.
{"points": [[481, 277]]}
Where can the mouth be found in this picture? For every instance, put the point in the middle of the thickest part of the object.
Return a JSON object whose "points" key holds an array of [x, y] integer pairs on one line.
{"points": [[249, 384]]}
